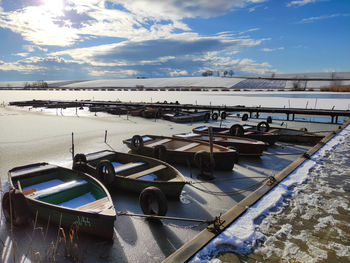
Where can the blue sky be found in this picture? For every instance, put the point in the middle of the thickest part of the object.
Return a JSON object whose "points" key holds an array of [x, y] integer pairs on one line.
{"points": [[97, 39]]}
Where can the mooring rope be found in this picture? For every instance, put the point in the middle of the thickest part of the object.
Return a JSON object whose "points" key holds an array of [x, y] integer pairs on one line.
{"points": [[235, 192]]}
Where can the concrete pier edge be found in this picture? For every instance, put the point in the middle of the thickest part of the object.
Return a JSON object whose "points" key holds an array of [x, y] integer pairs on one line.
{"points": [[190, 248]]}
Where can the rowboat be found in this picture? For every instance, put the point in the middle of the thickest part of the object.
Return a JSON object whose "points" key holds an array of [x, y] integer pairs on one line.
{"points": [[240, 131], [131, 172], [59, 196], [244, 146], [183, 117], [183, 151], [289, 135]]}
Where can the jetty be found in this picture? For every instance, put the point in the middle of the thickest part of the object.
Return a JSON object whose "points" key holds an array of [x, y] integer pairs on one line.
{"points": [[252, 111]]}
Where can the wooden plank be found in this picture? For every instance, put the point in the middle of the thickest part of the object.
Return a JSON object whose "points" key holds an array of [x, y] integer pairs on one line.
{"points": [[99, 204], [148, 171], [127, 166], [187, 147], [158, 143]]}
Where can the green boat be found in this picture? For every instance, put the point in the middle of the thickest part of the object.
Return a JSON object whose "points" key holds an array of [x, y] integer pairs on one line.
{"points": [[59, 196], [131, 172]]}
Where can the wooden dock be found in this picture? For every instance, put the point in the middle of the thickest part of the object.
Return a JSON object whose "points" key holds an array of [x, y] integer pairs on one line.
{"points": [[290, 112]]}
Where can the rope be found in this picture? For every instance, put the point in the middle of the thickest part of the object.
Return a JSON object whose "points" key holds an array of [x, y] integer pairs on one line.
{"points": [[271, 154], [227, 179], [235, 192]]}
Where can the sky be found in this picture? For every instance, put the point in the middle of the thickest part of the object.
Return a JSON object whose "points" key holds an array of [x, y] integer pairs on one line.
{"points": [[100, 39]]}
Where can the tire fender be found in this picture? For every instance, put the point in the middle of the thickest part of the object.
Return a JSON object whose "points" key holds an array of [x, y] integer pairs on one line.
{"points": [[215, 116], [79, 162], [159, 152], [263, 126], [203, 161], [151, 195], [223, 115], [15, 200], [245, 117], [136, 142], [236, 130], [105, 172]]}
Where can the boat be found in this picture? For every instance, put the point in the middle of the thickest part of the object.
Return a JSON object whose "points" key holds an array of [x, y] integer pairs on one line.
{"points": [[59, 196], [131, 172], [244, 146], [288, 135], [239, 131], [183, 151], [183, 117]]}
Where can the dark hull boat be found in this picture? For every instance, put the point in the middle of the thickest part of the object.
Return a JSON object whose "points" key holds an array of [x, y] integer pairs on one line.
{"points": [[184, 117], [243, 145], [60, 196], [183, 151], [239, 131], [288, 135], [131, 172]]}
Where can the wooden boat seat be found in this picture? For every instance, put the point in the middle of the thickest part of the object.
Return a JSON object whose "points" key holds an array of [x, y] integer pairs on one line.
{"points": [[97, 205], [158, 142], [127, 166], [56, 189], [148, 171], [187, 147]]}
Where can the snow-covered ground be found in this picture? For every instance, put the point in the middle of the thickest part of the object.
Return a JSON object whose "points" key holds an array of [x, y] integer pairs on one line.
{"points": [[206, 82]]}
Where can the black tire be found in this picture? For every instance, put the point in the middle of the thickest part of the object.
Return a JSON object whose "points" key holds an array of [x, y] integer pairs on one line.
{"points": [[245, 117], [20, 210], [105, 172], [142, 114], [236, 130], [152, 195], [79, 162], [223, 115], [215, 116], [269, 119], [80, 157], [136, 142], [159, 152], [263, 126], [207, 117], [203, 161]]}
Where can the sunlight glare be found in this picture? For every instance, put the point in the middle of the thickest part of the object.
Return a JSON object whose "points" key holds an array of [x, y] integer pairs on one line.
{"points": [[55, 6]]}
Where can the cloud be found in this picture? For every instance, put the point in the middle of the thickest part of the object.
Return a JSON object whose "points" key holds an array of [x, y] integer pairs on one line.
{"points": [[272, 49], [155, 51], [178, 9], [54, 24], [178, 72], [298, 3], [317, 18]]}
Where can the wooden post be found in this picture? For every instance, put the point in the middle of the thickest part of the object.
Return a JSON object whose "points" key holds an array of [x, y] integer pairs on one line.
{"points": [[72, 149], [210, 130], [105, 136]]}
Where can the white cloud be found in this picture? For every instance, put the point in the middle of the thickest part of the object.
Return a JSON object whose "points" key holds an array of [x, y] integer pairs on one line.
{"points": [[303, 2], [178, 9], [272, 49], [317, 18], [95, 72], [178, 72], [32, 48]]}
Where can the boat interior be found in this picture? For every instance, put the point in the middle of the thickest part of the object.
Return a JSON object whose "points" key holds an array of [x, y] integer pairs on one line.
{"points": [[133, 166], [182, 145], [61, 187]]}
